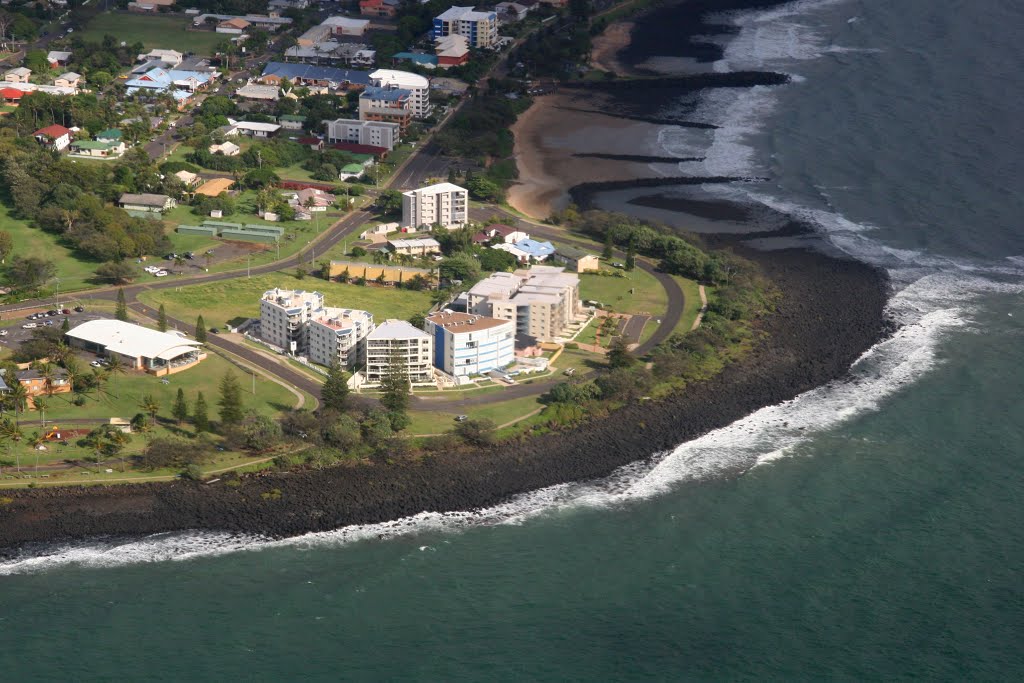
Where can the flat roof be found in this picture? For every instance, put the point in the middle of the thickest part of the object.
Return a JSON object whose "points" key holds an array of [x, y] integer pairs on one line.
{"points": [[132, 340], [465, 322], [401, 79], [212, 188], [397, 329], [437, 187], [416, 242]]}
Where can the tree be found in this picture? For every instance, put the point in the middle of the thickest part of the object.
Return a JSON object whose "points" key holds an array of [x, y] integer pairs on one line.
{"points": [[476, 432], [230, 400], [200, 330], [19, 398], [161, 319], [619, 355], [116, 272], [121, 310], [12, 434], [609, 246], [631, 256], [65, 325], [334, 393], [394, 386], [460, 267], [343, 433], [115, 366], [258, 432], [30, 272], [200, 415], [149, 405], [180, 408], [497, 260], [6, 245], [389, 201]]}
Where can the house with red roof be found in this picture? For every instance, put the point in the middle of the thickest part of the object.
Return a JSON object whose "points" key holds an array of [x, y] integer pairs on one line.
{"points": [[55, 137], [11, 95]]}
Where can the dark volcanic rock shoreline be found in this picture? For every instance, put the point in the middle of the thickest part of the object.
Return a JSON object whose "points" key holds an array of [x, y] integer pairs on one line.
{"points": [[832, 310]]}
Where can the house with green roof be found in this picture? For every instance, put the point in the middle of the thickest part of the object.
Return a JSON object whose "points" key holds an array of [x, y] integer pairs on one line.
{"points": [[110, 135], [291, 121], [97, 149]]}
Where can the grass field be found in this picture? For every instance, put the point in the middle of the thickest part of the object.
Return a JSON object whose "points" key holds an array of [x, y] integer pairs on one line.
{"points": [[639, 292], [438, 422], [123, 392], [220, 302], [74, 273], [153, 32], [692, 305]]}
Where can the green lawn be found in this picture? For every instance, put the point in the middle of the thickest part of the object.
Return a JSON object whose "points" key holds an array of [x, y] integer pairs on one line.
{"points": [[437, 422], [74, 273], [124, 391], [692, 305], [638, 292], [220, 302], [168, 32]]}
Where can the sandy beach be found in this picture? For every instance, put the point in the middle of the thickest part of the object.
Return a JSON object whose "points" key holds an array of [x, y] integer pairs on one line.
{"points": [[605, 52], [558, 146]]}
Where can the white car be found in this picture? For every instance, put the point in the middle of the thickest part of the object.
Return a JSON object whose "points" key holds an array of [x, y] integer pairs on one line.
{"points": [[29, 326], [161, 273], [3, 333]]}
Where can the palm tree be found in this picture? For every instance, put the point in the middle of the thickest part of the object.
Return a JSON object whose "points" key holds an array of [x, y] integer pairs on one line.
{"points": [[49, 374], [116, 366], [149, 405], [40, 404], [19, 397], [10, 432], [60, 353]]}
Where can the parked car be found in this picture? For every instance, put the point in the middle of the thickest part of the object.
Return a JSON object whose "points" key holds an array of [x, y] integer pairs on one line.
{"points": [[3, 333], [49, 323], [569, 372], [29, 326], [79, 309], [461, 418], [161, 273], [96, 364], [65, 311], [50, 314]]}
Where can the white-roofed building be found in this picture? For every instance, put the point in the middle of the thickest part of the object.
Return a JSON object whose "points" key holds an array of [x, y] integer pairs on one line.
{"points": [[254, 129], [421, 246], [159, 353], [336, 335], [346, 26], [419, 86], [398, 342], [442, 204]]}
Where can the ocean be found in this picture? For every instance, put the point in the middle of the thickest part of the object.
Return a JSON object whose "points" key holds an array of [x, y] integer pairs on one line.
{"points": [[876, 531]]}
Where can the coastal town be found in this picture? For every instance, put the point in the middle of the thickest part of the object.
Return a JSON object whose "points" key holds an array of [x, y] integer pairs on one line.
{"points": [[279, 219]]}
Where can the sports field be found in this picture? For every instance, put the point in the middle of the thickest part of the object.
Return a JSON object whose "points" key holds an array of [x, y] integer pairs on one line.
{"points": [[169, 33]]}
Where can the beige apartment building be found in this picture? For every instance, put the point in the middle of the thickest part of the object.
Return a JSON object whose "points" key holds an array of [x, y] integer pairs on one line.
{"points": [[397, 341], [336, 335], [542, 301]]}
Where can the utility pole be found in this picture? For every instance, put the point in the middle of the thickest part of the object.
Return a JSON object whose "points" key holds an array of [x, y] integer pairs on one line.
{"points": [[248, 264]]}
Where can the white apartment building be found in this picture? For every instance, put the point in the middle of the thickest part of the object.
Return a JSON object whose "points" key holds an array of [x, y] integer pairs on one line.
{"points": [[418, 86], [399, 342], [542, 302], [377, 133], [467, 344], [283, 317], [480, 28], [336, 336], [444, 204]]}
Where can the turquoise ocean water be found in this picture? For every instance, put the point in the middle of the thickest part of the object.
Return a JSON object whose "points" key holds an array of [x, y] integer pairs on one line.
{"points": [[877, 532]]}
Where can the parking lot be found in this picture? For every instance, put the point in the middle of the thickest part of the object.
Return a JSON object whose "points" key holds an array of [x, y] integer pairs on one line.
{"points": [[13, 322]]}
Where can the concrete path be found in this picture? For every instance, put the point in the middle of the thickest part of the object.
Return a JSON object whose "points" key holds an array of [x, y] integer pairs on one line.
{"points": [[703, 307]]}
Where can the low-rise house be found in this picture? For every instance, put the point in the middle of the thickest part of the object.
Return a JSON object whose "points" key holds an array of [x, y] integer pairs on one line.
{"points": [[234, 26], [346, 26], [385, 274], [312, 75], [11, 95], [55, 137], [414, 247], [57, 58], [528, 251], [140, 348], [97, 149], [466, 344], [500, 232], [226, 148], [189, 179], [511, 11], [17, 75], [397, 346], [291, 121], [69, 79], [110, 135], [171, 58], [379, 8], [576, 260], [252, 129], [312, 199], [451, 50], [146, 202], [256, 91], [49, 381]]}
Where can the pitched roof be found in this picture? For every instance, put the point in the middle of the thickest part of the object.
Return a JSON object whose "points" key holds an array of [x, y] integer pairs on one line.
{"points": [[53, 132], [310, 72], [385, 94], [144, 199], [12, 93], [133, 340]]}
